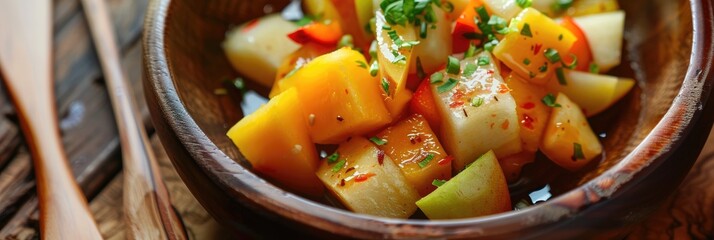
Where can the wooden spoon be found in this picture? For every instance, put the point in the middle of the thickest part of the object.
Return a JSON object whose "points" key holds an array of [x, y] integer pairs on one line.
{"points": [[25, 66], [148, 213]]}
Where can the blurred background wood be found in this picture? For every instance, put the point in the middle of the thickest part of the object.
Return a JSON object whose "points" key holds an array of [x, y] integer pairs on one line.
{"points": [[91, 140]]}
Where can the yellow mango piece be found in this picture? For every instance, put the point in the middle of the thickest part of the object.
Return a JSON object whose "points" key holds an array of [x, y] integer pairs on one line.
{"points": [[364, 184], [414, 147], [338, 97], [279, 149], [397, 104], [532, 113], [569, 141], [297, 60], [524, 50], [594, 93], [393, 68]]}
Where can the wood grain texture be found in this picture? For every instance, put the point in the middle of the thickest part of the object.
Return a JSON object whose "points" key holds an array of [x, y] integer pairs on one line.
{"points": [[148, 211], [25, 60]]}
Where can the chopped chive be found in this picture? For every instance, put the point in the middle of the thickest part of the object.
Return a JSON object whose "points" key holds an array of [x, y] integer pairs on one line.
{"points": [[368, 26], [524, 3], [470, 69], [560, 37], [527, 61], [543, 68], [239, 83], [561, 76], [378, 141], [337, 167], [385, 85], [490, 45], [531, 74], [374, 68], [471, 51], [425, 162], [361, 64], [594, 68], [562, 5], [303, 21], [477, 102], [346, 41], [549, 100], [526, 31], [472, 36], [333, 158], [578, 151], [484, 60], [373, 49], [438, 182], [483, 14], [572, 64], [499, 24], [436, 78], [552, 55], [450, 84], [452, 66]]}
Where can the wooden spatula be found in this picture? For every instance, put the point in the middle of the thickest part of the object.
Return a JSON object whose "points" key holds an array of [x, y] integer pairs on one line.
{"points": [[25, 63], [148, 213]]}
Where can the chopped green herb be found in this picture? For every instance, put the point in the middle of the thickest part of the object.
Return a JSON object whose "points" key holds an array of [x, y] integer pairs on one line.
{"points": [[470, 69], [543, 68], [573, 64], [490, 45], [527, 61], [483, 14], [239, 83], [333, 158], [378, 141], [438, 183], [484, 60], [337, 167], [526, 31], [437, 77], [471, 51], [374, 68], [524, 3], [549, 100], [562, 5], [399, 58], [560, 37], [450, 84], [594, 68], [373, 49], [385, 85], [560, 74], [578, 151], [425, 162], [303, 21], [361, 64], [453, 66], [368, 26], [552, 55], [345, 41], [448, 7], [477, 102], [531, 74], [422, 29], [472, 36], [499, 24]]}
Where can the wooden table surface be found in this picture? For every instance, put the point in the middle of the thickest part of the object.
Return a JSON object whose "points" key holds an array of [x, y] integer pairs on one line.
{"points": [[91, 140]]}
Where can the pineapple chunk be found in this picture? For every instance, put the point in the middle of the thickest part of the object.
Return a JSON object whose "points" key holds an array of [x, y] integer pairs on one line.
{"points": [[432, 50], [525, 50], [394, 68], [338, 97], [479, 190], [274, 139], [505, 9], [604, 33], [532, 113], [415, 149], [366, 184], [569, 141], [256, 49], [592, 92], [478, 112]]}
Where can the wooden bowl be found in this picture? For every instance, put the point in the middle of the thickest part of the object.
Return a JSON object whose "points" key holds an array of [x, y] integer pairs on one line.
{"points": [[653, 136]]}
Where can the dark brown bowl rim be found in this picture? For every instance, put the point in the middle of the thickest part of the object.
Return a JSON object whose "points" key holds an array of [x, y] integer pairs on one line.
{"points": [[244, 186]]}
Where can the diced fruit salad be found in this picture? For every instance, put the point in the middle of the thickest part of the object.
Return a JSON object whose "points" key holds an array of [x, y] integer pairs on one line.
{"points": [[430, 104]]}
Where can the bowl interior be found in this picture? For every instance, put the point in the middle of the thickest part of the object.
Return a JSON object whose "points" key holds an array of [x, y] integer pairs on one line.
{"points": [[657, 49]]}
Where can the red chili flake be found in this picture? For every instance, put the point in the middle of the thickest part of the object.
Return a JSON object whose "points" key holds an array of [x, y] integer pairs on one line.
{"points": [[350, 169], [490, 72], [537, 48], [380, 157], [250, 25], [527, 122], [505, 124], [342, 182], [363, 177], [528, 105], [503, 88], [456, 104], [446, 160]]}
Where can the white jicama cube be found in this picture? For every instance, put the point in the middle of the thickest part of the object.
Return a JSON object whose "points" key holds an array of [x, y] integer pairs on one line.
{"points": [[505, 9], [594, 93], [477, 110], [604, 33], [568, 140], [256, 49], [367, 181]]}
